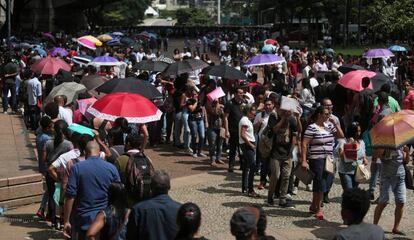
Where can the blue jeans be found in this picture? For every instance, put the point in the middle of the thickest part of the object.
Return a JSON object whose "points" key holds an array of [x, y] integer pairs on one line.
{"points": [[348, 181], [215, 143], [375, 172], [197, 128], [13, 104], [181, 120], [249, 167]]}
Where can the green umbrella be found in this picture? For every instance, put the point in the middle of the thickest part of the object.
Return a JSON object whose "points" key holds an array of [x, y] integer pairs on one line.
{"points": [[69, 89]]}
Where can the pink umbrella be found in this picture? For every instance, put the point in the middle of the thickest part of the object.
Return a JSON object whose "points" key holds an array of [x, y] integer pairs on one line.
{"points": [[353, 80], [50, 66], [87, 43], [84, 104]]}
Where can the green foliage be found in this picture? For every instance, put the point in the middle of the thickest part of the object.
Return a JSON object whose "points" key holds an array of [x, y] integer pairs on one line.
{"points": [[125, 12], [393, 18], [192, 17], [167, 13]]}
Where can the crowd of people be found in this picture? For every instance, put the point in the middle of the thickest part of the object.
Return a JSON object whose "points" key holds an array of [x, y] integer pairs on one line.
{"points": [[91, 181]]}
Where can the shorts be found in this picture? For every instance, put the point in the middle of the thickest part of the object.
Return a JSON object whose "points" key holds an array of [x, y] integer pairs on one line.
{"points": [[317, 166], [396, 184]]}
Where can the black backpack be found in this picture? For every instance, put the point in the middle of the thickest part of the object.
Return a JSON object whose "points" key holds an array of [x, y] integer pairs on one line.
{"points": [[138, 173]]}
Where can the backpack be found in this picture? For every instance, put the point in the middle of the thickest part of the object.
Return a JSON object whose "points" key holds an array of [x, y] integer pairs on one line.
{"points": [[366, 102], [266, 140], [138, 173]]}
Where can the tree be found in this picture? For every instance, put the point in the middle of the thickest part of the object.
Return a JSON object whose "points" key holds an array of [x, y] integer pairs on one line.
{"points": [[392, 18], [192, 17]]}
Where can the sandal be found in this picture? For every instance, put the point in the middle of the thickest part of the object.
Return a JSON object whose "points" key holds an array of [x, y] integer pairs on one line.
{"points": [[319, 215], [398, 232]]}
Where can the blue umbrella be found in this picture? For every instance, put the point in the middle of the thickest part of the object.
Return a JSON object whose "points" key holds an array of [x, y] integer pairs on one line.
{"points": [[397, 48], [268, 48], [40, 51]]}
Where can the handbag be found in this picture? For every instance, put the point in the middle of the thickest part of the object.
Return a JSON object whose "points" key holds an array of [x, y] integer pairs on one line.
{"points": [[329, 167], [222, 132], [304, 175], [408, 178], [362, 174]]}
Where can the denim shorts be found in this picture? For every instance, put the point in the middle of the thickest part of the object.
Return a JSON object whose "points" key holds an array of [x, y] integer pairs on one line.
{"points": [[396, 184], [317, 166]]}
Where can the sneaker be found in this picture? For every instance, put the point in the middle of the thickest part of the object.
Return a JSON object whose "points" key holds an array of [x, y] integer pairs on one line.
{"points": [[295, 191], [219, 162], [287, 205], [188, 151], [202, 155], [5, 112], [194, 155], [288, 197], [260, 186], [309, 187], [319, 215], [253, 194], [41, 214]]}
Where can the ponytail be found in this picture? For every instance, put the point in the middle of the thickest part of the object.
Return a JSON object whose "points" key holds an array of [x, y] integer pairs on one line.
{"points": [[61, 132]]}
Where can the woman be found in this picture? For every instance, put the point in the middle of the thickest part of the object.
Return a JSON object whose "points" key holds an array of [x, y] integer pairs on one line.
{"points": [[248, 146], [392, 179], [307, 97], [51, 151], [215, 119], [188, 222], [347, 163], [177, 55], [317, 148], [408, 100], [111, 222], [196, 119]]}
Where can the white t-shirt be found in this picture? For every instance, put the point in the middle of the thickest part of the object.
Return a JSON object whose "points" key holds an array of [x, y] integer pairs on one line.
{"points": [[65, 114], [63, 159], [259, 117], [244, 121], [223, 46]]}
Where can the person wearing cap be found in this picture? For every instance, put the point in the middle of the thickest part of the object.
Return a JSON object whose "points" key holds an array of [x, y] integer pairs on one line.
{"points": [[243, 224]]}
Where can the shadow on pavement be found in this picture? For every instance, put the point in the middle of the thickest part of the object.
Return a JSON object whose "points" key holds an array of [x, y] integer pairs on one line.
{"points": [[322, 229]]}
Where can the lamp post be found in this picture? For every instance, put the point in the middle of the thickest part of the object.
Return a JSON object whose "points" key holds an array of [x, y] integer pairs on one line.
{"points": [[218, 12]]}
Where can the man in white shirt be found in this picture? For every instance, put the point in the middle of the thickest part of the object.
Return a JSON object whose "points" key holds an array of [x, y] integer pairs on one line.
{"points": [[65, 114], [223, 47], [140, 54], [34, 93]]}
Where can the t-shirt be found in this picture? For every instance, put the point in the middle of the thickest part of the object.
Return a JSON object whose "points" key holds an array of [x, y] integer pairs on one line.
{"points": [[321, 140], [34, 90], [407, 100], [362, 231], [282, 140], [66, 115], [52, 152], [233, 109], [244, 121], [261, 117], [395, 107], [392, 163]]}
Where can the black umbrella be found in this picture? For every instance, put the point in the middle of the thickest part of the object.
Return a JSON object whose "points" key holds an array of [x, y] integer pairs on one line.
{"points": [[185, 66], [131, 85], [225, 71], [378, 80], [150, 65], [346, 68], [93, 81]]}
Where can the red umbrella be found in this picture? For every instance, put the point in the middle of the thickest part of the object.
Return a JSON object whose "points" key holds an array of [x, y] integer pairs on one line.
{"points": [[49, 66], [270, 41], [353, 80], [134, 107]]}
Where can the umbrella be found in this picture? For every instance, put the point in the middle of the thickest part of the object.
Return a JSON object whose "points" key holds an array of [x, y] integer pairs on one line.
{"points": [[346, 68], [64, 76], [394, 130], [114, 42], [267, 48], [263, 59], [92, 39], [70, 89], [58, 51], [378, 80], [353, 80], [378, 53], [270, 41], [82, 59], [131, 85], [135, 108], [84, 104], [164, 59], [397, 48], [117, 34], [40, 51], [127, 41], [105, 61], [48, 35], [185, 66], [225, 71], [86, 43], [93, 81], [105, 38], [150, 65], [25, 45], [49, 66]]}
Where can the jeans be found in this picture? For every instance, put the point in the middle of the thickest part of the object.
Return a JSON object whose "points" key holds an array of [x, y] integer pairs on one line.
{"points": [[181, 120], [34, 116], [375, 172], [282, 169], [12, 88], [215, 143], [50, 183], [233, 146], [197, 128], [249, 168], [293, 82], [348, 181], [394, 184]]}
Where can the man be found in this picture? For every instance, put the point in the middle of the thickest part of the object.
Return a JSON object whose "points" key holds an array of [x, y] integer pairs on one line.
{"points": [[87, 186], [65, 114], [133, 145], [243, 224], [293, 72], [155, 218], [223, 47], [394, 105], [10, 71], [232, 115], [284, 128], [34, 94], [226, 58], [365, 102], [355, 205]]}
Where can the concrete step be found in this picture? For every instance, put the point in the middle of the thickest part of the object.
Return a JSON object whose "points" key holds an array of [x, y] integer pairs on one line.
{"points": [[22, 190]]}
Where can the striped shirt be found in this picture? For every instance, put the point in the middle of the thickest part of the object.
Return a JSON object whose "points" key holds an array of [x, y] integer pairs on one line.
{"points": [[322, 140]]}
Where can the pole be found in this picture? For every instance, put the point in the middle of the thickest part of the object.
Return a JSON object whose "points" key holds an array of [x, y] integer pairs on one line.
{"points": [[218, 12], [346, 24], [8, 17]]}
